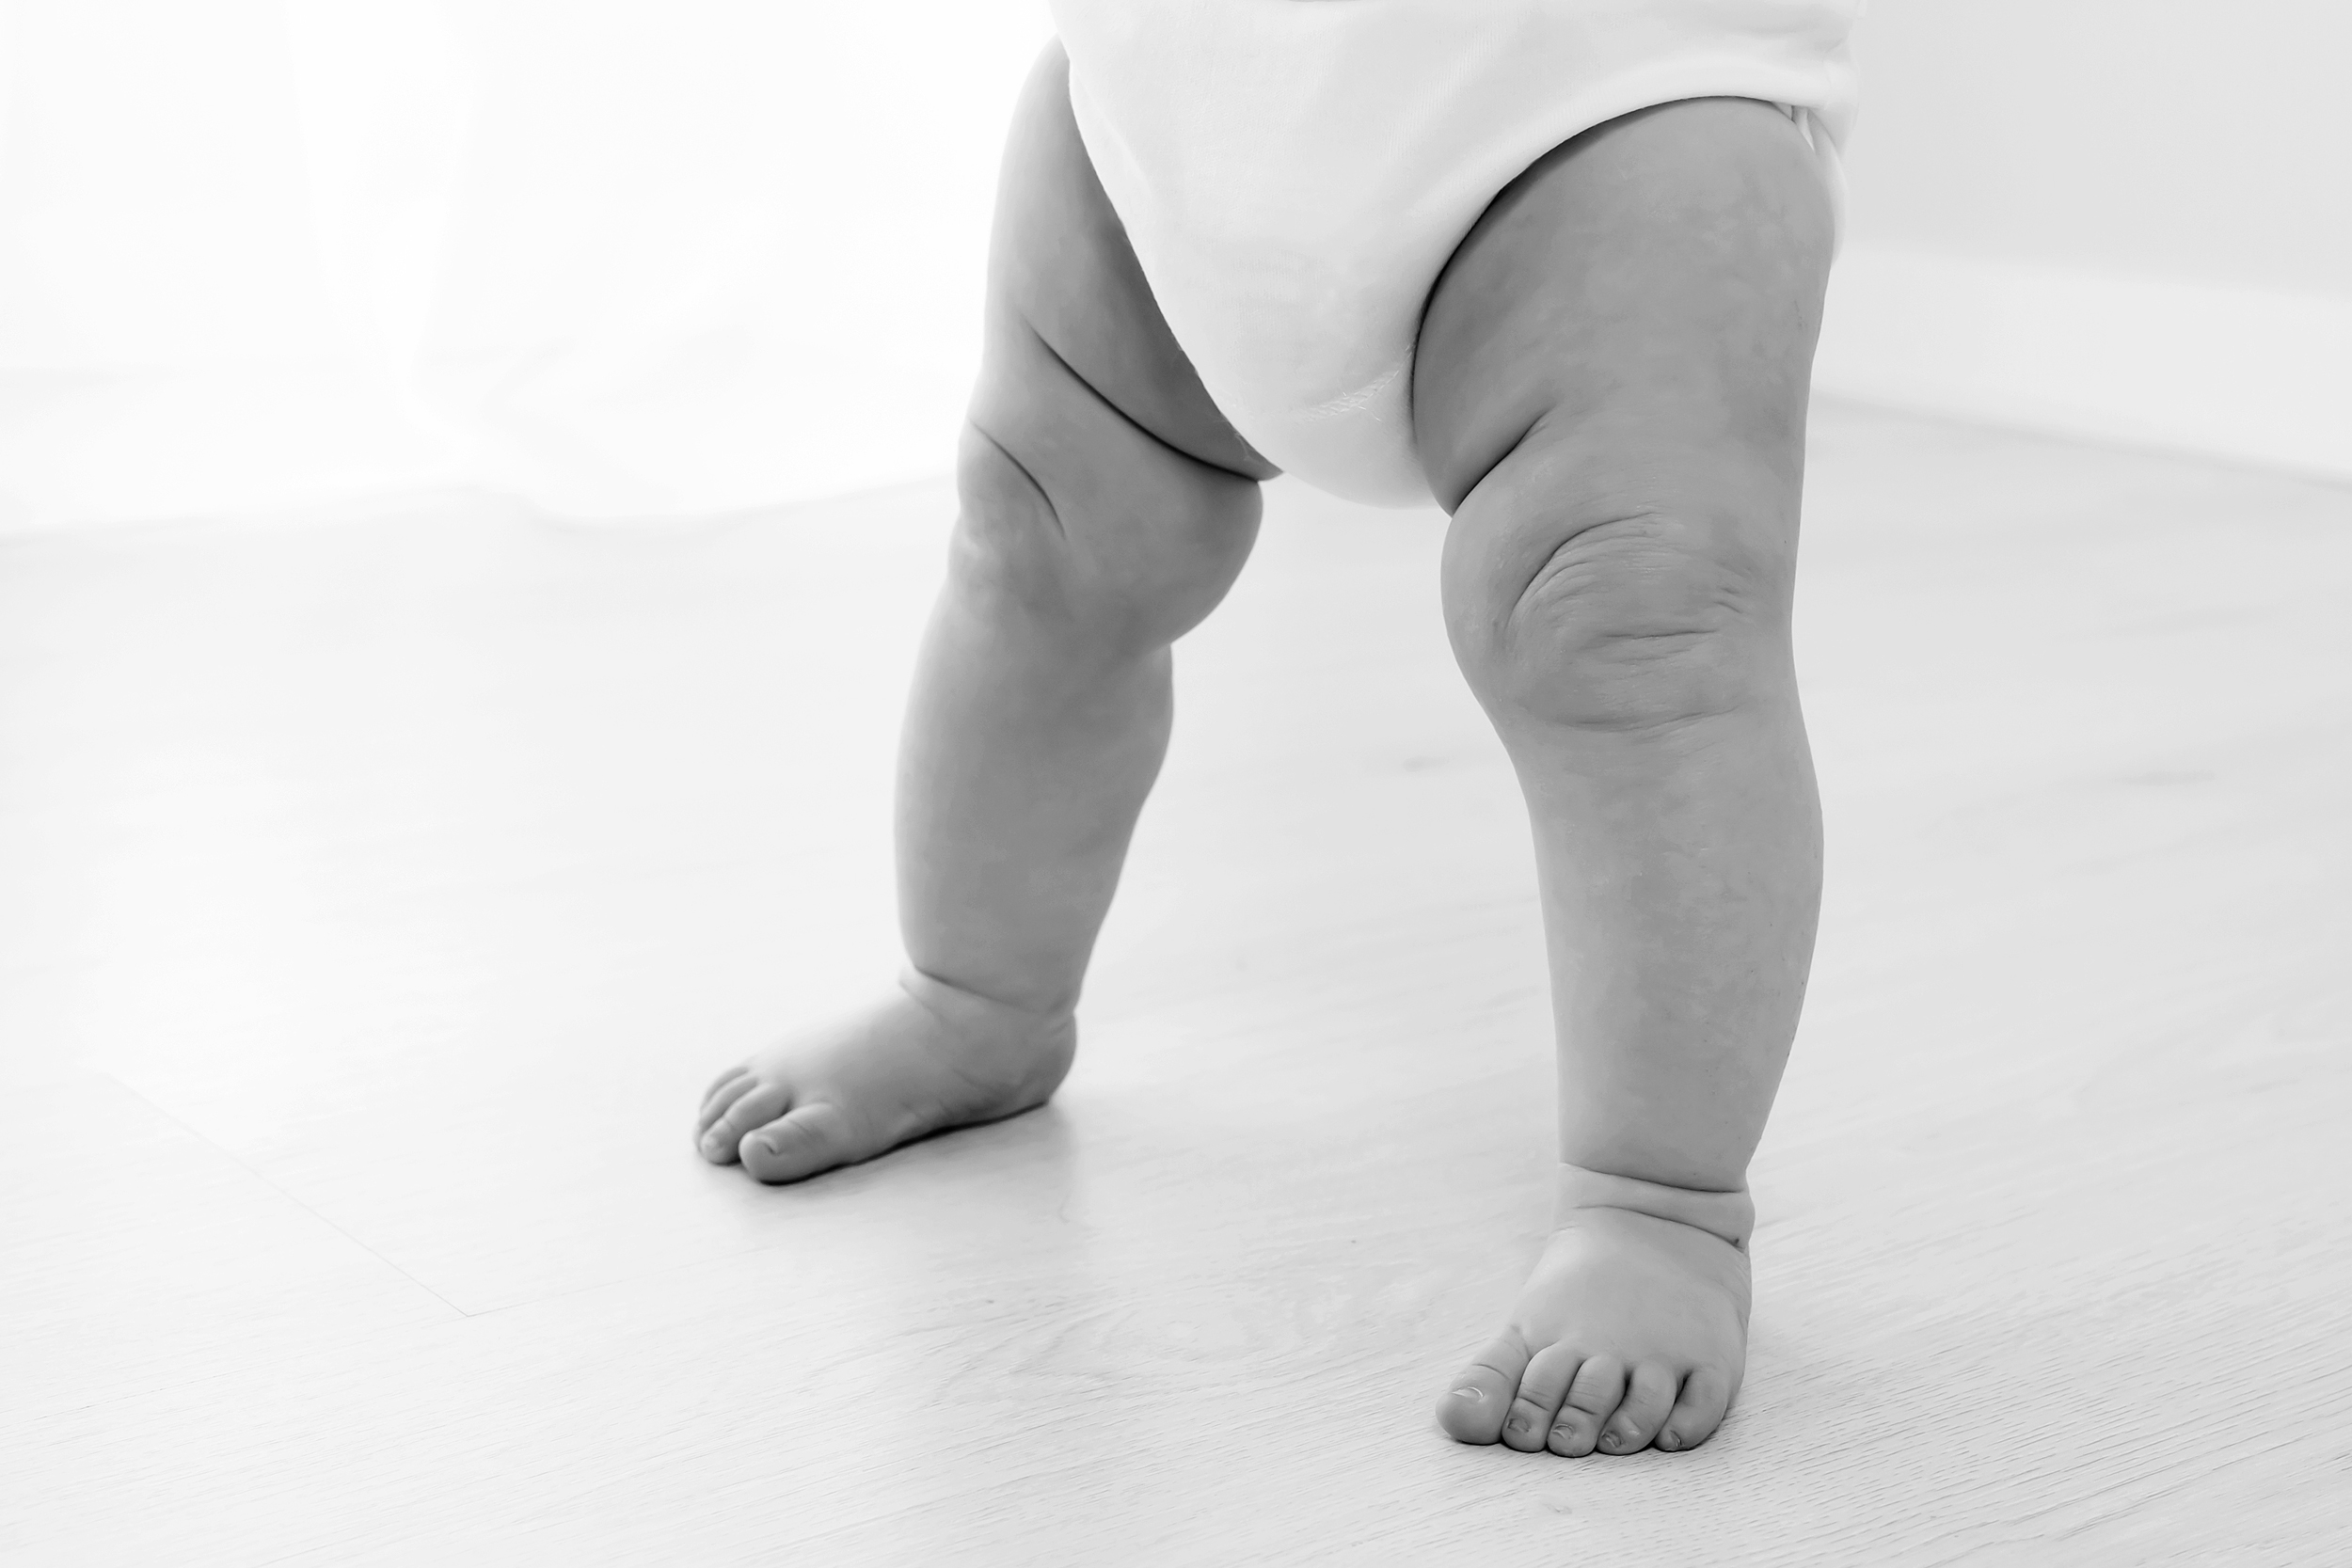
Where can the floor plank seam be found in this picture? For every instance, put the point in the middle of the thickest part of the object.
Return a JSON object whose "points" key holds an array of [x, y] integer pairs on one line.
{"points": [[232, 1157]]}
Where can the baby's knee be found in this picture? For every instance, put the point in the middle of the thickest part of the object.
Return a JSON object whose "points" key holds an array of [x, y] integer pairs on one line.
{"points": [[1636, 608], [1134, 560]]}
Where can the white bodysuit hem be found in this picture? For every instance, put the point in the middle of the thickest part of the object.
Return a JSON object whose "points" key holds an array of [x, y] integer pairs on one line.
{"points": [[1294, 174]]}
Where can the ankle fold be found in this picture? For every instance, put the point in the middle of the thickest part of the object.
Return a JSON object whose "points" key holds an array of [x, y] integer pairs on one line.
{"points": [[1731, 1215], [959, 1004]]}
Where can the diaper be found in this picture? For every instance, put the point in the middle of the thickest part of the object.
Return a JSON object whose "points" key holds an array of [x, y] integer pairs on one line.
{"points": [[1294, 174]]}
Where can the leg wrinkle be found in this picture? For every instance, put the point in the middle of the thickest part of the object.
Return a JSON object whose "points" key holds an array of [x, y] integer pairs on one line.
{"points": [[1729, 1214]]}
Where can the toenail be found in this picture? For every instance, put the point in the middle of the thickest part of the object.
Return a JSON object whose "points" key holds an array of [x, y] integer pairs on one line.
{"points": [[1469, 1393], [1668, 1441], [1613, 1441]]}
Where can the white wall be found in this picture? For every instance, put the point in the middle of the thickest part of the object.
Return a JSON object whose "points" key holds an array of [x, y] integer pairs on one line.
{"points": [[660, 257], [623, 257], [2127, 219]]}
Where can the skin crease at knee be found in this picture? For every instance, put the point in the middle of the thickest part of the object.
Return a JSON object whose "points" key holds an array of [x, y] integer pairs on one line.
{"points": [[1631, 624], [1051, 558]]}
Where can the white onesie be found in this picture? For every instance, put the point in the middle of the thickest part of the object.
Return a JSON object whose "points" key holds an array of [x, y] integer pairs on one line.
{"points": [[1294, 174]]}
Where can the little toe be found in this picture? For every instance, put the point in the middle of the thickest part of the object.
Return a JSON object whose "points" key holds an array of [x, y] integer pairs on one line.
{"points": [[747, 1111], [812, 1138], [1542, 1386], [739, 1073], [1593, 1398], [1473, 1409], [1706, 1395], [1648, 1396], [715, 1103]]}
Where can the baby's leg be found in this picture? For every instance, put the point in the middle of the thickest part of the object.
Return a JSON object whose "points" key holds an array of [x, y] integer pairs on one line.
{"points": [[1611, 396], [1106, 508]]}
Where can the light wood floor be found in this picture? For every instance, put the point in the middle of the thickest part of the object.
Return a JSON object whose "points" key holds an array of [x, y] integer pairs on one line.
{"points": [[376, 897]]}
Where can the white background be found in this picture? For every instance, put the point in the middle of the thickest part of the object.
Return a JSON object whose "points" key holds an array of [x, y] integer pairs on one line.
{"points": [[2207, 141], [627, 258], [2126, 219], [624, 257]]}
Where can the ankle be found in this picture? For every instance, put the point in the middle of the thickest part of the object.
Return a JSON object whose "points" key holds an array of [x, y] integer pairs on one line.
{"points": [[1731, 1215], [965, 1009]]}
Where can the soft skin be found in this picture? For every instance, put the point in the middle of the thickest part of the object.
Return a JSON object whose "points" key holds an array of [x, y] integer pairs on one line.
{"points": [[1609, 398]]}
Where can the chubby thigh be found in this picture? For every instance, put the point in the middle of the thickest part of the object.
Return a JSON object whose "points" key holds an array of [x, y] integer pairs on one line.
{"points": [[1077, 356], [1097, 473], [1632, 324]]}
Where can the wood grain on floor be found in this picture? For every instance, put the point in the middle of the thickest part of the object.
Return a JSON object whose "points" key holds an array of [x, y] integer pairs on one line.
{"points": [[378, 892]]}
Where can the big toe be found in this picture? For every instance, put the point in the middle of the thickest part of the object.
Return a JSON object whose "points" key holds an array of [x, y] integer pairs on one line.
{"points": [[1476, 1404], [799, 1145]]}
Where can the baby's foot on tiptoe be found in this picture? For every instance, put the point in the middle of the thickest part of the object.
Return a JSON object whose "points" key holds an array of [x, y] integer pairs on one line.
{"points": [[1632, 1330], [927, 1056]]}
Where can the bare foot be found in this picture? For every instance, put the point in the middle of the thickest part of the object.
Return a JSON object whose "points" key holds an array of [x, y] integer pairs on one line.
{"points": [[1632, 1330], [928, 1056]]}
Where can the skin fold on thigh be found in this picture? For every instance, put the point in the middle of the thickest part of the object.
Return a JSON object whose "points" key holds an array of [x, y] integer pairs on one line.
{"points": [[1646, 292], [1065, 289]]}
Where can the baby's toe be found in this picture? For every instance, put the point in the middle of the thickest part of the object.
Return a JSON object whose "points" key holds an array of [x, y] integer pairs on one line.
{"points": [[1706, 1395], [1542, 1386], [723, 1094], [1650, 1395], [1473, 1409], [1592, 1397], [812, 1138], [756, 1104], [738, 1074]]}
